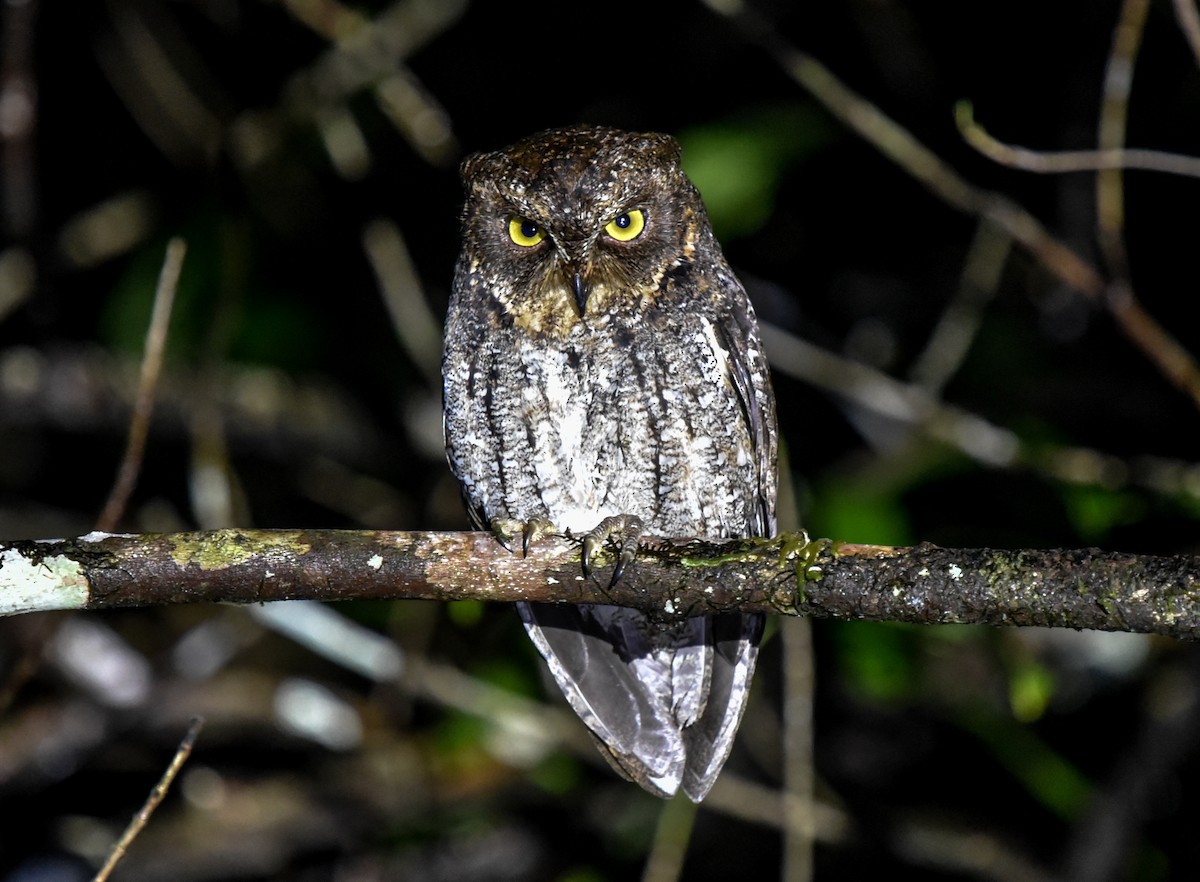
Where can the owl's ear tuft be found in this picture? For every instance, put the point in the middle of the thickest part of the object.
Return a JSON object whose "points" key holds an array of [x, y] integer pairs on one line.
{"points": [[471, 167], [664, 147]]}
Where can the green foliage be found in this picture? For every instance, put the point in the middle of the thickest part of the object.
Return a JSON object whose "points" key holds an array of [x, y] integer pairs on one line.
{"points": [[1095, 511], [737, 164], [860, 512], [582, 874], [509, 675], [1030, 689], [221, 308], [1045, 773], [558, 773], [465, 613], [878, 660]]}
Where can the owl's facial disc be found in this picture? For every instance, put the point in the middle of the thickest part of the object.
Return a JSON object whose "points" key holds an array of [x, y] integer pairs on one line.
{"points": [[624, 228], [582, 255]]}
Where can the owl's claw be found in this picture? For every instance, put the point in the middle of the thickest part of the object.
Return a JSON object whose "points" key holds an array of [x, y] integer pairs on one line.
{"points": [[535, 530], [624, 531], [506, 531]]}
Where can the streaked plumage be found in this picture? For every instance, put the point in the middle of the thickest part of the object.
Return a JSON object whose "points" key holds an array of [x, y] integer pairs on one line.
{"points": [[595, 367]]}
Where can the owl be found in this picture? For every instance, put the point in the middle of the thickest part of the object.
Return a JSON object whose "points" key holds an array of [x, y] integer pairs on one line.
{"points": [[603, 374]]}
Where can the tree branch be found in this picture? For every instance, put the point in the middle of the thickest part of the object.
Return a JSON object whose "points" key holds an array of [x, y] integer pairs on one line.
{"points": [[789, 575]]}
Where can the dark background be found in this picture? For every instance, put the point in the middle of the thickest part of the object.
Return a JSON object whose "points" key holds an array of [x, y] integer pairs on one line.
{"points": [[955, 753]]}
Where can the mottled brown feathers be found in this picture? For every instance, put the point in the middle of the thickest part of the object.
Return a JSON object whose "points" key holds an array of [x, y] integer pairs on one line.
{"points": [[588, 378]]}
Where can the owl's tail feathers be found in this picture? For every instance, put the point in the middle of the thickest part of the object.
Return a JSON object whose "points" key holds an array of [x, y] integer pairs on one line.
{"points": [[598, 656], [662, 704], [735, 639]]}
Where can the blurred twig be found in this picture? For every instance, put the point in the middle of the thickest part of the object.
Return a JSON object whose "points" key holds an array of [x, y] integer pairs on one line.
{"points": [[974, 855], [1103, 845], [88, 389], [1189, 22], [152, 801], [18, 120], [18, 274], [899, 145], [951, 339], [369, 53], [970, 434], [1110, 135], [419, 331], [676, 820], [152, 359], [144, 61], [109, 228], [967, 432], [798, 773], [1064, 161]]}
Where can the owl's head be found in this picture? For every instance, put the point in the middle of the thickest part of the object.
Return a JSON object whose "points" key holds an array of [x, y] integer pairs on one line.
{"points": [[579, 224]]}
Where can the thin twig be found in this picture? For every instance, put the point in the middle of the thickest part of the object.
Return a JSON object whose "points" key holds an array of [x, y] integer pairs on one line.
{"points": [[18, 127], [152, 801], [960, 321], [798, 773], [144, 62], [1189, 22], [414, 322], [925, 166], [152, 359], [1047, 162], [1110, 134], [676, 820], [370, 53]]}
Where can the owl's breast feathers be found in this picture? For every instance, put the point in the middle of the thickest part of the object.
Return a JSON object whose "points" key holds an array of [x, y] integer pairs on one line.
{"points": [[656, 420]]}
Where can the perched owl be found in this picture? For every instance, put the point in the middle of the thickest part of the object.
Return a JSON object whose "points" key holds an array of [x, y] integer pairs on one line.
{"points": [[603, 373]]}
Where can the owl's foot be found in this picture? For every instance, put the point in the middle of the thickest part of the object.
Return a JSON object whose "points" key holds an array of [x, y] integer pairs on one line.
{"points": [[507, 530], [621, 530]]}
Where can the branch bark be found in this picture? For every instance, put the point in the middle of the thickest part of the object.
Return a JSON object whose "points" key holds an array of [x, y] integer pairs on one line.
{"points": [[789, 575]]}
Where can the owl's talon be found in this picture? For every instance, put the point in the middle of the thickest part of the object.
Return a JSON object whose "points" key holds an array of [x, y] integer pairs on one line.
{"points": [[535, 530], [626, 558], [624, 531], [507, 530], [590, 545]]}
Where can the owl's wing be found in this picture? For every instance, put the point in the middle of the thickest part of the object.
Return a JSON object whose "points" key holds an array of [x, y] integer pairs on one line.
{"points": [[735, 636], [635, 685], [734, 639], [748, 373]]}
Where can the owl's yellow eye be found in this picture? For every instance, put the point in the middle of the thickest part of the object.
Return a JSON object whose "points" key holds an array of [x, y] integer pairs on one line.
{"points": [[626, 227], [525, 232]]}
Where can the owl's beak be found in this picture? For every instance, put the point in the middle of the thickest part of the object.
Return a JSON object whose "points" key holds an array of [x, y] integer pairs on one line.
{"points": [[580, 288]]}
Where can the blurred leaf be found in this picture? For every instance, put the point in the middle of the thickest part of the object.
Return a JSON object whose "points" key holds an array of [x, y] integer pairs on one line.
{"points": [[582, 874], [1045, 773], [278, 332], [558, 773], [260, 326], [1030, 688], [1096, 511], [510, 676], [737, 164], [856, 513], [459, 732], [877, 659], [465, 613]]}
